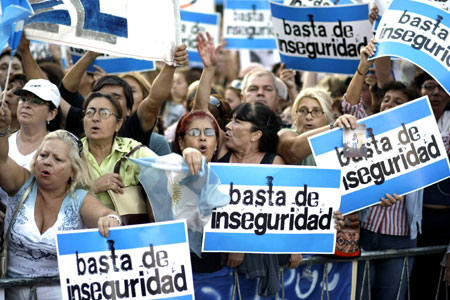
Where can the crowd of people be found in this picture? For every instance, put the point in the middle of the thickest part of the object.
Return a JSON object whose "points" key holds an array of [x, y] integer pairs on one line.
{"points": [[64, 133]]}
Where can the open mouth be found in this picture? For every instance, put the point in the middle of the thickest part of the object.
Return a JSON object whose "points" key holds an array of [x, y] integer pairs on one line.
{"points": [[203, 149], [45, 173]]}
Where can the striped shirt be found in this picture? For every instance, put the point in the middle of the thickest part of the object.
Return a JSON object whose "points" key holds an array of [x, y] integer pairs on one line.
{"points": [[390, 220]]}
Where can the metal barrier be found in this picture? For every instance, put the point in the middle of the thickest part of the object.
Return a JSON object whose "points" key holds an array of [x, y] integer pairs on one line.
{"points": [[318, 259]]}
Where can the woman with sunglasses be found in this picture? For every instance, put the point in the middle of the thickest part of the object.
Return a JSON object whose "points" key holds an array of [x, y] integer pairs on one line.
{"points": [[53, 196], [102, 120]]}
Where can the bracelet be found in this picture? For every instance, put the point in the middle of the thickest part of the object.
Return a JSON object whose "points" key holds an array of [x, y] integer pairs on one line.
{"points": [[331, 125], [115, 217], [5, 132], [359, 72]]}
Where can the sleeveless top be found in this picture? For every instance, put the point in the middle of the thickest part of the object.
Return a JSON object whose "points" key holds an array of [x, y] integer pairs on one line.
{"points": [[30, 253]]}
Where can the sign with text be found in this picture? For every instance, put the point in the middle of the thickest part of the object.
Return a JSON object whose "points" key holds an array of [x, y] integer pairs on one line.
{"points": [[274, 209], [114, 65], [247, 25], [116, 27], [191, 24], [150, 261], [321, 39], [417, 31], [405, 153]]}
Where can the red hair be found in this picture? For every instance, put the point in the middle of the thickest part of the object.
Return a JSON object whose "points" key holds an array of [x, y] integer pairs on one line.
{"points": [[186, 120]]}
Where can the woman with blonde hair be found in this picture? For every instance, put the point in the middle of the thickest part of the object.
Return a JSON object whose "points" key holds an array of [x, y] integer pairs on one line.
{"points": [[53, 196]]}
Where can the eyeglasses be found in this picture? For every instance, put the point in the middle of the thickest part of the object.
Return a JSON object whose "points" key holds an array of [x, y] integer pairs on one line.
{"points": [[104, 113], [198, 132], [316, 113], [430, 86], [33, 101]]}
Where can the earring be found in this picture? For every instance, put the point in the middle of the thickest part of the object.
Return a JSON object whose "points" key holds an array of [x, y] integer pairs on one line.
{"points": [[48, 122]]}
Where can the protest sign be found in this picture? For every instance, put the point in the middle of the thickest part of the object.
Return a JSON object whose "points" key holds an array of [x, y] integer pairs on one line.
{"points": [[134, 262], [417, 31], [321, 39], [405, 153], [148, 30], [114, 65], [247, 25], [191, 24], [274, 209]]}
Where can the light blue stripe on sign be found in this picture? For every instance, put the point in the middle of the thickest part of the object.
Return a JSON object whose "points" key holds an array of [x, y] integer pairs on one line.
{"points": [[321, 14], [196, 17], [118, 64], [422, 59], [125, 238], [421, 9], [194, 56], [380, 123], [185, 297], [282, 176], [247, 43], [247, 4], [400, 185], [328, 65], [269, 243]]}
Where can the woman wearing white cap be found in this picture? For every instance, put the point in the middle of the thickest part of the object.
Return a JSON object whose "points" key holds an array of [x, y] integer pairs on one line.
{"points": [[38, 105]]}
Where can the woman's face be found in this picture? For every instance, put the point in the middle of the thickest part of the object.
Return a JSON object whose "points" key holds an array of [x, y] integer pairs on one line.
{"points": [[138, 94], [97, 128], [179, 87], [437, 95], [200, 135], [232, 98], [53, 166], [393, 98], [239, 134], [309, 115], [30, 113]]}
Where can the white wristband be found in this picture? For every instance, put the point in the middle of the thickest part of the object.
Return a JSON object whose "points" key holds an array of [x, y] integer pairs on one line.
{"points": [[115, 217]]}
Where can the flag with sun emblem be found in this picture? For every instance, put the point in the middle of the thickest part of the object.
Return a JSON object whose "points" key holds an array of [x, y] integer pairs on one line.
{"points": [[175, 193]]}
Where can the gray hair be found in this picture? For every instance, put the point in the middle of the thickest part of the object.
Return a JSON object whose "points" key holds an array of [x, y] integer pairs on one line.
{"points": [[280, 86], [321, 95]]}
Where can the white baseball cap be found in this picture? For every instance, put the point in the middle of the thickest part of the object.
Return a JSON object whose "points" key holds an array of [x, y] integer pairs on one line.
{"points": [[42, 88]]}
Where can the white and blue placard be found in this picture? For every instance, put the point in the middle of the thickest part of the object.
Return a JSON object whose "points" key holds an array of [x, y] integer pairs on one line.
{"points": [[247, 25], [417, 31], [114, 65], [274, 209], [321, 39], [405, 152], [204, 6], [150, 261], [120, 28], [194, 22]]}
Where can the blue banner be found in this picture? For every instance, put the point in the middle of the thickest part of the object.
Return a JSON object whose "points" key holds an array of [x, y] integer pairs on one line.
{"points": [[321, 39], [274, 209], [418, 32], [405, 153]]}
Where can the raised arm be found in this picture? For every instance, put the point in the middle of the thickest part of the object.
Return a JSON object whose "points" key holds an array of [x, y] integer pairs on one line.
{"points": [[294, 148], [288, 77], [354, 89], [149, 108], [30, 66], [72, 79], [12, 176], [209, 53]]}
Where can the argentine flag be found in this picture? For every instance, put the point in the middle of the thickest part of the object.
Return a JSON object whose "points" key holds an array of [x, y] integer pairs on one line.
{"points": [[175, 193], [14, 12]]}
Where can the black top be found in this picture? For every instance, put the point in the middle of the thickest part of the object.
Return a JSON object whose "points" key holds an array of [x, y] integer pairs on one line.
{"points": [[266, 160]]}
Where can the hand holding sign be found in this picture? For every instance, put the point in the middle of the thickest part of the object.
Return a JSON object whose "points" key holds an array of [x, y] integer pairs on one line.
{"points": [[366, 52], [181, 56]]}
